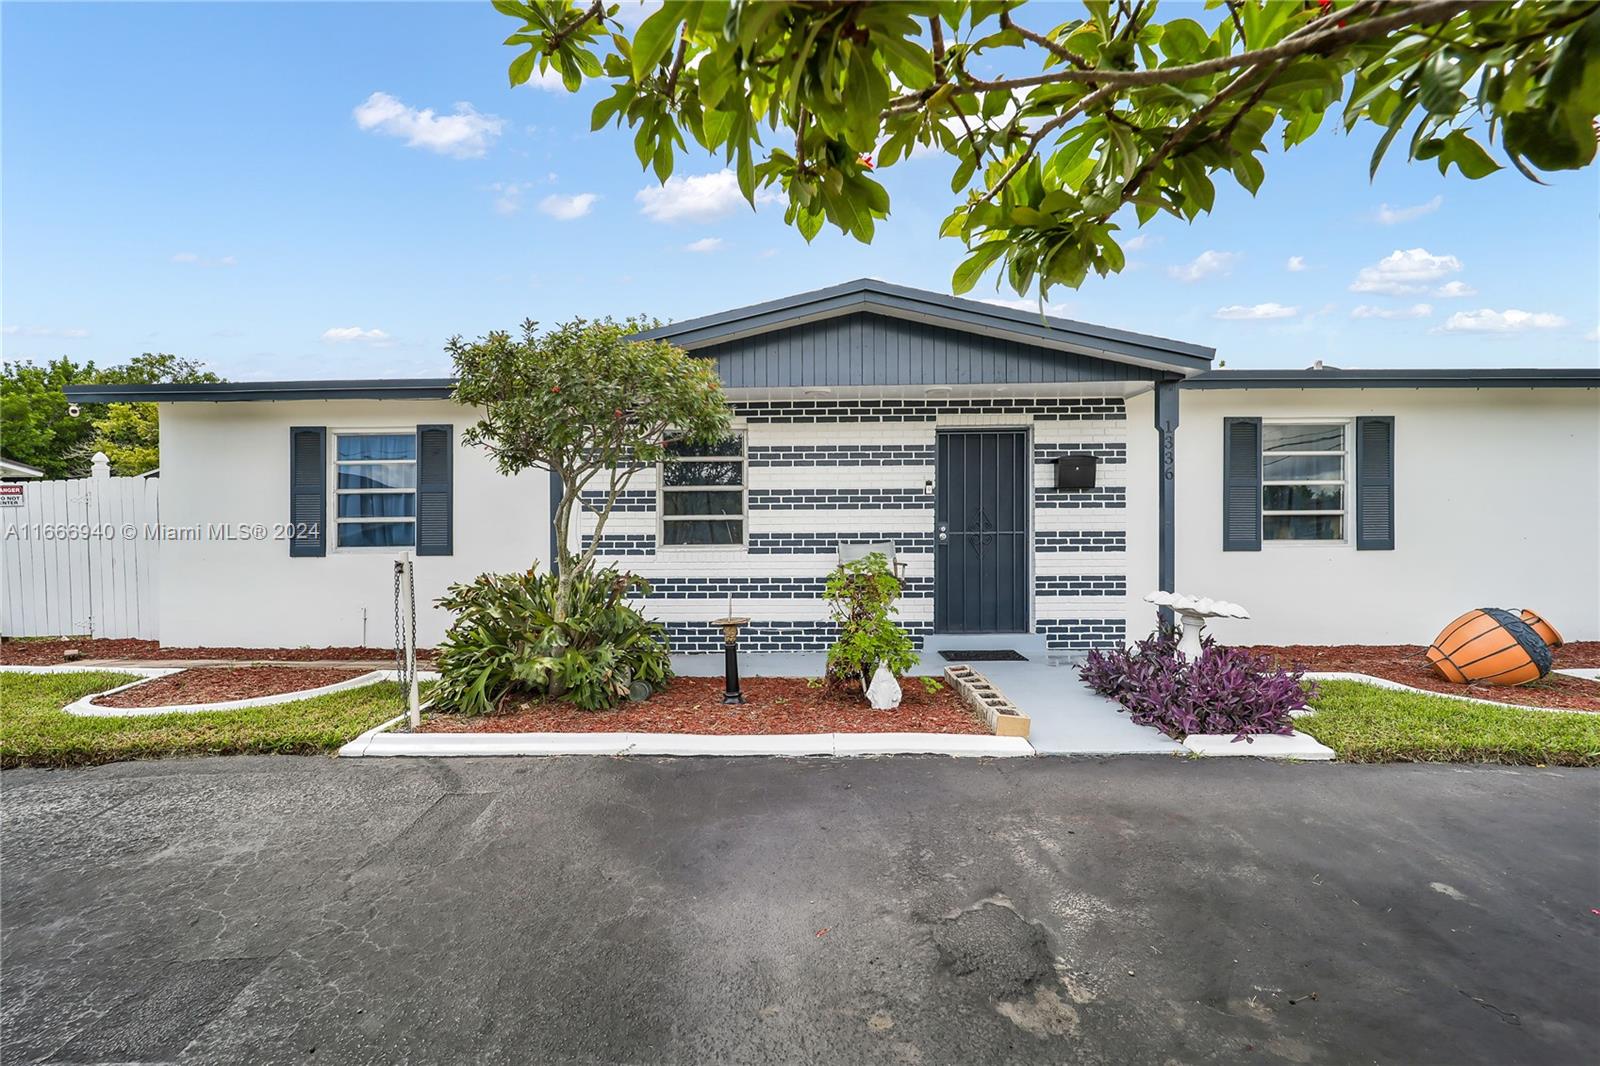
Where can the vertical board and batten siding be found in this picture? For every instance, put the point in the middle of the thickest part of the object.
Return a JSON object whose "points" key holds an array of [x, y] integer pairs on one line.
{"points": [[868, 349], [97, 579]]}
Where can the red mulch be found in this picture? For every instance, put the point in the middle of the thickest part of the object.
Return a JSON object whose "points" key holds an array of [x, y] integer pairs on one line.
{"points": [[694, 705], [1408, 664], [46, 651], [213, 684]]}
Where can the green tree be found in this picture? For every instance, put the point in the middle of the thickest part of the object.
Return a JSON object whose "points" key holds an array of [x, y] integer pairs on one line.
{"points": [[130, 435], [589, 403], [1055, 129], [34, 425], [36, 428]]}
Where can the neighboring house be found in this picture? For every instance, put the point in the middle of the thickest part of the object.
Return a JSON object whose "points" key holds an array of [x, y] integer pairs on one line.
{"points": [[1035, 476], [11, 470]]}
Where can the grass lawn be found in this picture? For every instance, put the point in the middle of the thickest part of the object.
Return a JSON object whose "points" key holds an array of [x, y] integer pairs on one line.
{"points": [[1365, 723], [34, 731]]}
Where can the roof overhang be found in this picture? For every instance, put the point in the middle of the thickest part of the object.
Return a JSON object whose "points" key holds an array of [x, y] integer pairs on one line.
{"points": [[242, 391], [14, 469], [1557, 378], [918, 305]]}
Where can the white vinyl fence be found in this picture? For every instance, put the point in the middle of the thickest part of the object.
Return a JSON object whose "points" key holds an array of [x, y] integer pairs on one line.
{"points": [[78, 557]]}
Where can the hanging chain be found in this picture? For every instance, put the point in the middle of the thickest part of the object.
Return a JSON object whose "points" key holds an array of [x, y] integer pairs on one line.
{"points": [[403, 675]]}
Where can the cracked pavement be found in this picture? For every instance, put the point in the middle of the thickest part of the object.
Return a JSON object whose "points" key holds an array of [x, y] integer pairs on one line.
{"points": [[905, 910]]}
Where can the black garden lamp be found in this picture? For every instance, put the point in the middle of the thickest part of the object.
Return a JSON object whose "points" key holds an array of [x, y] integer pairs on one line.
{"points": [[730, 650]]}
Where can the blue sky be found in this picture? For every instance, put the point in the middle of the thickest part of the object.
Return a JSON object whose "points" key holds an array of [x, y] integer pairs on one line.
{"points": [[222, 182]]}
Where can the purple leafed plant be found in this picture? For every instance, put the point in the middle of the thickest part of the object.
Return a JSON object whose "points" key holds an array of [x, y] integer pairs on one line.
{"points": [[1225, 690]]}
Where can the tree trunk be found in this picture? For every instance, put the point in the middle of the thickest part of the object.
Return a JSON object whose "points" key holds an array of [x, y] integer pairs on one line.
{"points": [[563, 521]]}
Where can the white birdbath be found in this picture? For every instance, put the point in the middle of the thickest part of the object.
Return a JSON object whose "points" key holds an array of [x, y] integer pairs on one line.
{"points": [[1193, 611]]}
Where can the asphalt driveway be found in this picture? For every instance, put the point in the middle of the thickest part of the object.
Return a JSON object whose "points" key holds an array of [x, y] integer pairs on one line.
{"points": [[913, 910]]}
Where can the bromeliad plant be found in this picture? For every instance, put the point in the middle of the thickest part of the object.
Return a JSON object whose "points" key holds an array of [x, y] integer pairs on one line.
{"points": [[507, 640], [860, 596], [1225, 690]]}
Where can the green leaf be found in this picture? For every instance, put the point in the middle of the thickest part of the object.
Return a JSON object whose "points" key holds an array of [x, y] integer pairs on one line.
{"points": [[653, 39], [1022, 215], [1470, 157], [1183, 41], [1442, 78], [1249, 171], [972, 268], [522, 67]]}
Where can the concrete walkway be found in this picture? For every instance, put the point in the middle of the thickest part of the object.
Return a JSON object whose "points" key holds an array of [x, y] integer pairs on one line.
{"points": [[1068, 718]]}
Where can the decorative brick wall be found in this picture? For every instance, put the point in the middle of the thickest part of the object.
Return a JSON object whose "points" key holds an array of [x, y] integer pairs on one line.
{"points": [[1081, 634], [825, 472]]}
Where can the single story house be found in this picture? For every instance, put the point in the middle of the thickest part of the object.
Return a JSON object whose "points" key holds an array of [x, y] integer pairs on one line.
{"points": [[1035, 476]]}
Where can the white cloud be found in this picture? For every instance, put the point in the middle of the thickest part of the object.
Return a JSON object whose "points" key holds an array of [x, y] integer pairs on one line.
{"points": [[705, 244], [44, 331], [548, 80], [699, 198], [1593, 334], [1139, 242], [508, 196], [1254, 312], [200, 260], [466, 134], [354, 334], [1205, 265], [1454, 290], [1414, 311], [567, 208], [1296, 264], [1508, 321], [1389, 216], [1402, 272]]}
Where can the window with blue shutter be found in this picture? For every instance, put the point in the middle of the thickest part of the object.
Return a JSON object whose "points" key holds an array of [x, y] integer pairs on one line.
{"points": [[308, 491], [434, 490], [1241, 484], [1375, 483]]}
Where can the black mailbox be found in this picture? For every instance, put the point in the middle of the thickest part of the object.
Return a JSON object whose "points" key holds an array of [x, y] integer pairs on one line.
{"points": [[1075, 472]]}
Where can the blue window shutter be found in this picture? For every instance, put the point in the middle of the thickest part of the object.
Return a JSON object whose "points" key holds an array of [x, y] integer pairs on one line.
{"points": [[308, 491], [1375, 483], [434, 478], [1241, 484]]}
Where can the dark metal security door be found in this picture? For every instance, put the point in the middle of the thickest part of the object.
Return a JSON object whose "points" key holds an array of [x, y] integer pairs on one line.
{"points": [[980, 544]]}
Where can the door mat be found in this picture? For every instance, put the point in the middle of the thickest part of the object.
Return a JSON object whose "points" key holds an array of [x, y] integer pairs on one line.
{"points": [[982, 655]]}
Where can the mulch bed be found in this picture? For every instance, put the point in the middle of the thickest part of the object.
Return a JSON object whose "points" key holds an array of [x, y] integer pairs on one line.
{"points": [[694, 705], [48, 652], [213, 684], [1408, 664]]}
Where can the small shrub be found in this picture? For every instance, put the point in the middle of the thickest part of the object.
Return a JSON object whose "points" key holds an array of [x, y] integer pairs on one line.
{"points": [[860, 595], [505, 640], [1225, 690]]}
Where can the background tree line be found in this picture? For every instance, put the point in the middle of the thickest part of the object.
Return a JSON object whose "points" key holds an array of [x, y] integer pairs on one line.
{"points": [[36, 428]]}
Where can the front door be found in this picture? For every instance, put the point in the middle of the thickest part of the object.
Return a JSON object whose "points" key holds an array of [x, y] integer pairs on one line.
{"points": [[980, 544]]}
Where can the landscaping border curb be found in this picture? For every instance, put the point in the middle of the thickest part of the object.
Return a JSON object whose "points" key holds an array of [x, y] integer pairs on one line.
{"points": [[1383, 682], [1297, 746], [379, 742], [86, 708]]}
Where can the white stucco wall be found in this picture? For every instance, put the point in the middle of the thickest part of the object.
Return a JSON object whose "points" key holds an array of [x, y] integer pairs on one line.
{"points": [[229, 462], [1497, 504]]}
